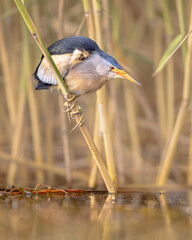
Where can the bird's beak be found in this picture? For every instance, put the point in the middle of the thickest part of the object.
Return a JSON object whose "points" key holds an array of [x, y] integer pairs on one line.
{"points": [[123, 74]]}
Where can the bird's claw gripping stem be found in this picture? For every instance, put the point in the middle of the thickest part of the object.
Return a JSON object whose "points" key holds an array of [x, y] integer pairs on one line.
{"points": [[77, 111], [69, 107], [73, 110], [80, 122], [70, 98]]}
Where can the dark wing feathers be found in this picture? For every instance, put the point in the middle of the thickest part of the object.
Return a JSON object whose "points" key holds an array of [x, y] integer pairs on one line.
{"points": [[41, 85]]}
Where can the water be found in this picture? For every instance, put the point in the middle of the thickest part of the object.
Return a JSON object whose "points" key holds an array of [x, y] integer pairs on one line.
{"points": [[76, 216]]}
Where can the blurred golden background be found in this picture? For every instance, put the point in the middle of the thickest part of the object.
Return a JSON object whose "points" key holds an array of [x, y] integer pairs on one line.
{"points": [[149, 148]]}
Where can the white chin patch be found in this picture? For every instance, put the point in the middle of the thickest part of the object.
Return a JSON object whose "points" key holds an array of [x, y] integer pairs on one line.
{"points": [[117, 76]]}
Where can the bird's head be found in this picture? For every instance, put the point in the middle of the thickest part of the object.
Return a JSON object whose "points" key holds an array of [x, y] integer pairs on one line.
{"points": [[109, 67], [92, 62], [114, 70]]}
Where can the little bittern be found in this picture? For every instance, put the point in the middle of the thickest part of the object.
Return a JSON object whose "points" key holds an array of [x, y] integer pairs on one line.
{"points": [[82, 64]]}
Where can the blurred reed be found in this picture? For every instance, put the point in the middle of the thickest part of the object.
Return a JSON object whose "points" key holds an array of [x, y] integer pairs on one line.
{"points": [[101, 122], [101, 101], [63, 116], [167, 157], [170, 86], [144, 124]]}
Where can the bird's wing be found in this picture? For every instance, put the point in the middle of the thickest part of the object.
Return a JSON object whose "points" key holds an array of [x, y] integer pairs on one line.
{"points": [[66, 53], [45, 74]]}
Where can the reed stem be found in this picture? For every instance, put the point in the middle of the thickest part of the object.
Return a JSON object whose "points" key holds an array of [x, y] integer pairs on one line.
{"points": [[63, 117], [133, 130], [97, 140], [7, 77], [180, 14], [101, 99], [159, 80], [169, 72]]}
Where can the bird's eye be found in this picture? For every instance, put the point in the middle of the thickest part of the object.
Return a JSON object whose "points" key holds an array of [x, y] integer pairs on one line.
{"points": [[111, 68]]}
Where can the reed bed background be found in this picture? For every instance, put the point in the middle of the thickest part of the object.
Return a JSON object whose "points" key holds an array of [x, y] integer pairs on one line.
{"points": [[147, 129]]}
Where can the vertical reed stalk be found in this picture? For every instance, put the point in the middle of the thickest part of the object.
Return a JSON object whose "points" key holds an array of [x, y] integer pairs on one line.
{"points": [[117, 142], [180, 14], [20, 116], [170, 97], [17, 135], [97, 140], [101, 99], [49, 136], [113, 103], [17, 138], [159, 80], [167, 159], [47, 112], [170, 71], [4, 123], [159, 83], [66, 146], [34, 117], [7, 77], [63, 117], [101, 109], [89, 19], [134, 135], [131, 106], [97, 135]]}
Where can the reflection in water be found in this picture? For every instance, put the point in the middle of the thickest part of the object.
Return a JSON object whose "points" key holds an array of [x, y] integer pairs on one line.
{"points": [[101, 229], [167, 217], [128, 215]]}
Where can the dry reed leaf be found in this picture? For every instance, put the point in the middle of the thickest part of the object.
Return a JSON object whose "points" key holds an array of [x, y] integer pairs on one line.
{"points": [[172, 48]]}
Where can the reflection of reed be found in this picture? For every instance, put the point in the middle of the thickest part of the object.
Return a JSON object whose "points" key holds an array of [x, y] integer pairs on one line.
{"points": [[102, 228], [167, 217]]}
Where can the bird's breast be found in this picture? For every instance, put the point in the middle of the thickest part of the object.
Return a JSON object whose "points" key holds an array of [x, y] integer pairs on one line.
{"points": [[79, 84]]}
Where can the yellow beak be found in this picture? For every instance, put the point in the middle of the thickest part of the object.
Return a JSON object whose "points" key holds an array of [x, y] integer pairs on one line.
{"points": [[124, 75]]}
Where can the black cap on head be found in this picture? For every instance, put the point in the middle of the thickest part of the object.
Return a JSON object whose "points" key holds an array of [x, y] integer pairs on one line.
{"points": [[68, 45]]}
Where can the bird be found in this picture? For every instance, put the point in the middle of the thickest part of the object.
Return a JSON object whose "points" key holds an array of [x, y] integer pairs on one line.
{"points": [[82, 64]]}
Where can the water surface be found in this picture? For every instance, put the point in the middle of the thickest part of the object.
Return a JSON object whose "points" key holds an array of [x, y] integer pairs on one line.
{"points": [[128, 215]]}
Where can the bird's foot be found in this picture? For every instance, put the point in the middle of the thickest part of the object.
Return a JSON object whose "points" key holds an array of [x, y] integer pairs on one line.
{"points": [[73, 110], [69, 99], [70, 106], [80, 120]]}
